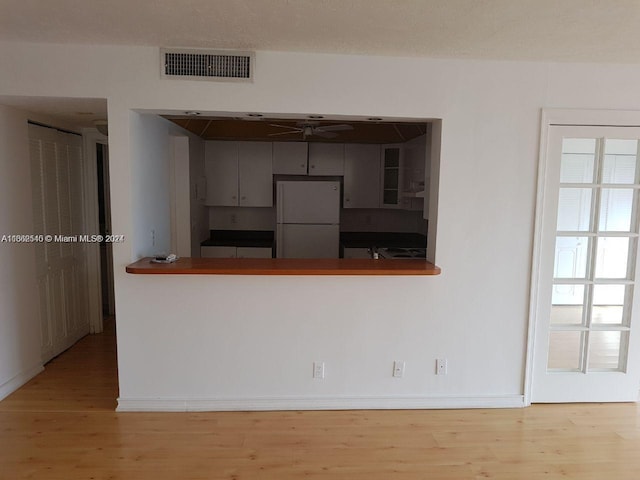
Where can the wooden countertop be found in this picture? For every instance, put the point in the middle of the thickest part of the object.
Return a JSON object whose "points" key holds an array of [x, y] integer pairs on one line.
{"points": [[284, 266]]}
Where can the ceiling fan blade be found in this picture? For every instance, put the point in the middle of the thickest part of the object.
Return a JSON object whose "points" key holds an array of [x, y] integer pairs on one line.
{"points": [[290, 132], [289, 127], [322, 133], [334, 128]]}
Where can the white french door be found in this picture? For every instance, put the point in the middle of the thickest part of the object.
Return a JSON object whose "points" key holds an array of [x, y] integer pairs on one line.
{"points": [[586, 347]]}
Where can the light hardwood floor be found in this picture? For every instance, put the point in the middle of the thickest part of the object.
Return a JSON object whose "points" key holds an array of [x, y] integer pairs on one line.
{"points": [[62, 425]]}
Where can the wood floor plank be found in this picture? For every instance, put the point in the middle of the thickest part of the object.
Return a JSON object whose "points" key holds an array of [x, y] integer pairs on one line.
{"points": [[62, 425]]}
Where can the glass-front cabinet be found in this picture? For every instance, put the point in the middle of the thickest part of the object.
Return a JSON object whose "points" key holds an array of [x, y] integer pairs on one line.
{"points": [[391, 172]]}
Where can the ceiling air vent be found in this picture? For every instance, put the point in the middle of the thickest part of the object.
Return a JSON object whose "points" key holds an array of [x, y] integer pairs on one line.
{"points": [[207, 64]]}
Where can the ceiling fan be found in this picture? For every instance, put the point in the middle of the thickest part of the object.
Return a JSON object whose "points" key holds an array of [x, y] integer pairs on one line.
{"points": [[308, 129]]}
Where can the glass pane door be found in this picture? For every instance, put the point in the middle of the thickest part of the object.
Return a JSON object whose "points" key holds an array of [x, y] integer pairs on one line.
{"points": [[587, 265]]}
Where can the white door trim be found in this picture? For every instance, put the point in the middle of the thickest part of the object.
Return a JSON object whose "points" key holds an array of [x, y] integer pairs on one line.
{"points": [[91, 138], [549, 118]]}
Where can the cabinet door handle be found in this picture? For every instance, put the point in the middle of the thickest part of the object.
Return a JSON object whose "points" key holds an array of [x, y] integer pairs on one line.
{"points": [[243, 198], [313, 166], [302, 165], [233, 197]]}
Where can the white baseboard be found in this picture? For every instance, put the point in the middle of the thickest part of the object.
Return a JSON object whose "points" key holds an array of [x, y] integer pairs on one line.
{"points": [[14, 383], [316, 403]]}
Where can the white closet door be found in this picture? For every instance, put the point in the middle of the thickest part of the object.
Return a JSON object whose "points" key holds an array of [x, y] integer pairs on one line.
{"points": [[57, 194], [36, 153]]}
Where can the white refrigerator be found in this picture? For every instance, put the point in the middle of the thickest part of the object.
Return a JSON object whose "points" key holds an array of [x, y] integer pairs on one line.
{"points": [[308, 219]]}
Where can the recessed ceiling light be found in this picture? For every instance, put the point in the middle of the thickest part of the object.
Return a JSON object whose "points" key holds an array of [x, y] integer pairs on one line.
{"points": [[192, 113], [374, 119], [255, 115], [315, 117]]}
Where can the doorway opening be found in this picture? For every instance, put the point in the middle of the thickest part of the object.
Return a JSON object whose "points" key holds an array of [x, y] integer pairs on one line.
{"points": [[104, 221]]}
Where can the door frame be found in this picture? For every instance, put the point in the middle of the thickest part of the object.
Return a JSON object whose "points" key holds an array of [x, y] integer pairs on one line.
{"points": [[558, 117], [91, 138]]}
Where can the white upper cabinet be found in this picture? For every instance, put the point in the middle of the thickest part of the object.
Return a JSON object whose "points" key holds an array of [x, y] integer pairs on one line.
{"points": [[302, 158], [326, 159], [290, 158], [255, 183], [239, 174], [361, 176], [221, 170]]}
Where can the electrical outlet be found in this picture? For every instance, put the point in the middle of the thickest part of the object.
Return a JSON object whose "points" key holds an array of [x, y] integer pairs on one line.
{"points": [[153, 237], [441, 366], [234, 218], [398, 369], [318, 370]]}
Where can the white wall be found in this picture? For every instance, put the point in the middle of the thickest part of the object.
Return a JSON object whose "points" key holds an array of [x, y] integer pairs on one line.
{"points": [[189, 220], [150, 145], [153, 147], [19, 324], [235, 339], [180, 196]]}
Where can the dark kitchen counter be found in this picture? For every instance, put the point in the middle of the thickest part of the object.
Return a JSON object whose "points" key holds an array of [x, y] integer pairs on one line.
{"points": [[239, 238], [382, 239]]}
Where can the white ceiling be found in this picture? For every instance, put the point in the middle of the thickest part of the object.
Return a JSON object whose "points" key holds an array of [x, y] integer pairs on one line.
{"points": [[542, 30], [558, 30]]}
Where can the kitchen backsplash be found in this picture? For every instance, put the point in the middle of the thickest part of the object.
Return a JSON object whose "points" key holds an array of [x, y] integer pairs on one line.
{"points": [[351, 219], [381, 220], [242, 218]]}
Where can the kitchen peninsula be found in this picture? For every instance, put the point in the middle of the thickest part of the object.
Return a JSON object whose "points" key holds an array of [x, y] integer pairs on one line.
{"points": [[285, 266]]}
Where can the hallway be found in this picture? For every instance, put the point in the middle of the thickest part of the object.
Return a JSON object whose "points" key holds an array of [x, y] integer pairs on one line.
{"points": [[83, 378]]}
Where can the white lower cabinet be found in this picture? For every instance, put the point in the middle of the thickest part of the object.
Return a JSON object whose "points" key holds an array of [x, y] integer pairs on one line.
{"points": [[218, 252], [254, 252], [235, 252]]}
